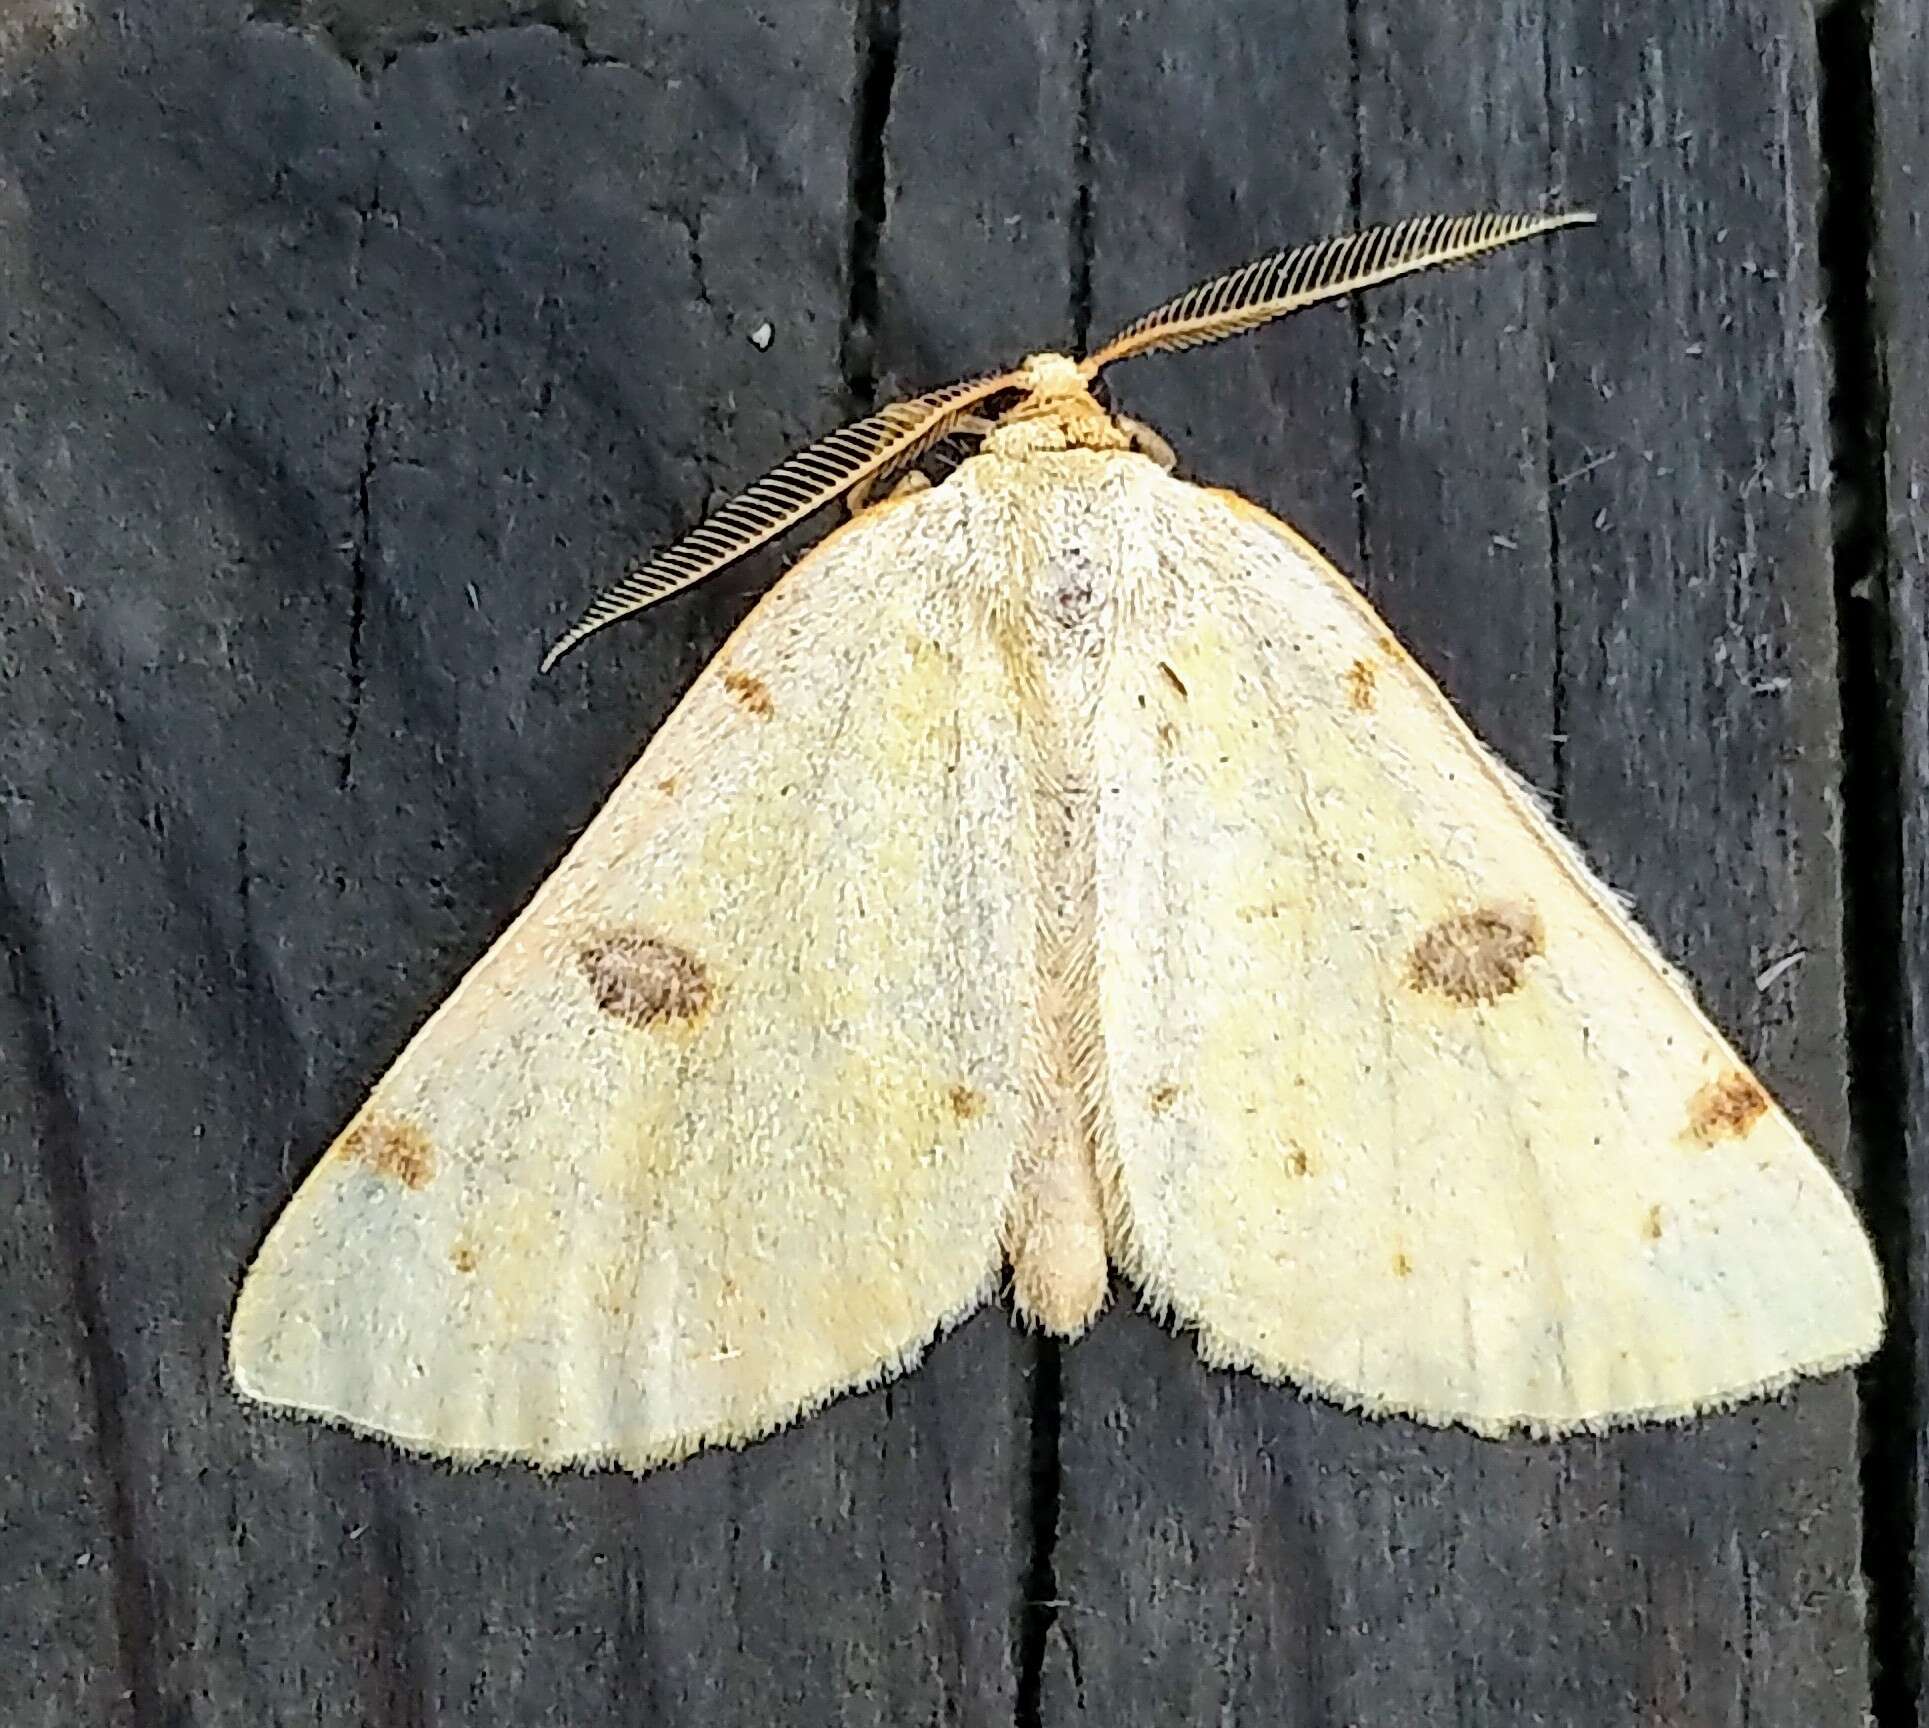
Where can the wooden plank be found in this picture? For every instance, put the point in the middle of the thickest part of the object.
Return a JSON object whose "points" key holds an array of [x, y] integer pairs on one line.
{"points": [[977, 262], [982, 204], [978, 265], [57, 1501], [475, 312], [63, 1580], [1208, 144], [1898, 706], [1697, 571], [349, 384], [1620, 632]]}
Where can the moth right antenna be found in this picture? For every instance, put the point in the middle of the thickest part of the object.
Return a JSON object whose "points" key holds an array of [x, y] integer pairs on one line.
{"points": [[1283, 282], [797, 487]]}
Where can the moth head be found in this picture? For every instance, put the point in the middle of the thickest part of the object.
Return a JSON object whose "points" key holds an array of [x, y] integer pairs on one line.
{"points": [[1049, 376], [1056, 411]]}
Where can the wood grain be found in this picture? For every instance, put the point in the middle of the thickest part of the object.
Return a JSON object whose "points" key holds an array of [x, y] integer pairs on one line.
{"points": [[1588, 496], [387, 367], [1897, 701], [348, 348]]}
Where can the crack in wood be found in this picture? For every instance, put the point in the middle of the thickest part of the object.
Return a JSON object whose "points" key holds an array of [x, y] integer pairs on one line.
{"points": [[877, 67], [1873, 752]]}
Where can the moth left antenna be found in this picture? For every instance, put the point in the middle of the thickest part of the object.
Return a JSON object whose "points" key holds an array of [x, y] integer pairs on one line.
{"points": [[797, 487], [1284, 282]]}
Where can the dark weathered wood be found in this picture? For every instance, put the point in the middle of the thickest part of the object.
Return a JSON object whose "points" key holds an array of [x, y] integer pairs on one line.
{"points": [[1648, 638], [346, 349], [57, 1493], [981, 214], [333, 390], [1900, 63]]}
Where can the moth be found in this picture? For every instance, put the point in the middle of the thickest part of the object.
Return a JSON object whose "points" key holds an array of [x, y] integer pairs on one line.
{"points": [[1061, 869]]}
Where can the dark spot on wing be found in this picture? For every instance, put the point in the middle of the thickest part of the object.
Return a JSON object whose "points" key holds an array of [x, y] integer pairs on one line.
{"points": [[1162, 1098], [392, 1148], [463, 1258], [1072, 602], [1651, 1225], [1726, 1108], [1360, 679], [1402, 1265], [965, 1103], [752, 692], [1297, 1163], [1477, 956], [643, 980], [1173, 678]]}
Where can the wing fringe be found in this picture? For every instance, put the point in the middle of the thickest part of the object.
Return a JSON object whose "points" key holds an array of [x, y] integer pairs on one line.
{"points": [[637, 1460]]}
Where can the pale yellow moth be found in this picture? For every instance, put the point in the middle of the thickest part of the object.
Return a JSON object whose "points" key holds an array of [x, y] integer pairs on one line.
{"points": [[1061, 867]]}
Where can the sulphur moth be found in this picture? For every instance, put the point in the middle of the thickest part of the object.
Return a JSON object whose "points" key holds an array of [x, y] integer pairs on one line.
{"points": [[1061, 869]]}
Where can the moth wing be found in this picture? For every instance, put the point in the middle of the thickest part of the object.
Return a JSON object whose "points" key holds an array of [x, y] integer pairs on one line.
{"points": [[723, 1124], [1403, 1108]]}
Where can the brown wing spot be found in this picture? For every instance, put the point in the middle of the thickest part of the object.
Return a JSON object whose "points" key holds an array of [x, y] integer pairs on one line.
{"points": [[1477, 956], [1162, 1098], [463, 1258], [965, 1103], [1651, 1225], [643, 980], [667, 786], [752, 692], [393, 1148], [1173, 678], [1360, 678], [1297, 1163], [1168, 735], [1725, 1109], [1402, 1265]]}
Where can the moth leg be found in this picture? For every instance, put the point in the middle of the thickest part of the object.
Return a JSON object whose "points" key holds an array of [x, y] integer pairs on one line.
{"points": [[1147, 442], [965, 426], [859, 499]]}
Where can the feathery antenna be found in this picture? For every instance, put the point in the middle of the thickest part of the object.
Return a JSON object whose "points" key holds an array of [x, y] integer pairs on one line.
{"points": [[797, 487], [1284, 282], [872, 448]]}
